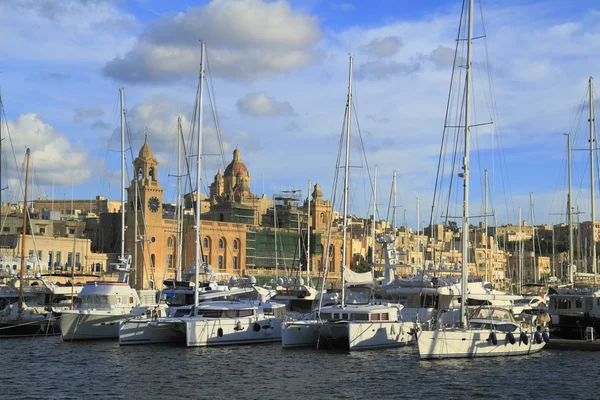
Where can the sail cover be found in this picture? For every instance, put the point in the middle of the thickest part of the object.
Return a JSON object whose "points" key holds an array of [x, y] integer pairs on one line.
{"points": [[357, 278]]}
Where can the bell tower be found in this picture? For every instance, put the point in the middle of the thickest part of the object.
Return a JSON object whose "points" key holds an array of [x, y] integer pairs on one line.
{"points": [[145, 239]]}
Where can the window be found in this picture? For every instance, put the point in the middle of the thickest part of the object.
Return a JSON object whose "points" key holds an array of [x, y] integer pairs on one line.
{"points": [[42, 230], [151, 174], [77, 260], [140, 173], [6, 229], [221, 243], [170, 241], [69, 259], [71, 231], [205, 243], [235, 244], [39, 256], [220, 262], [205, 259], [50, 254], [235, 263], [30, 253], [169, 260]]}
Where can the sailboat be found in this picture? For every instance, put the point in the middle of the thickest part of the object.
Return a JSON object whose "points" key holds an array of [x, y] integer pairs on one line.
{"points": [[489, 331], [351, 326], [100, 306], [19, 319], [575, 312]]}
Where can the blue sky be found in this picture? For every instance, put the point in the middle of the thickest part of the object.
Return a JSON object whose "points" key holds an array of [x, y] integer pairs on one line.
{"points": [[279, 71]]}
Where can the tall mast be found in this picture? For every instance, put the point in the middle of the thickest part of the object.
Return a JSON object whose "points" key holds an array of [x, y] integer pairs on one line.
{"points": [[465, 216], [308, 236], [23, 238], [197, 260], [570, 210], [485, 213], [533, 263], [405, 248], [520, 243], [418, 230], [346, 179], [179, 217], [275, 233], [122, 259], [592, 143], [394, 210], [374, 213]]}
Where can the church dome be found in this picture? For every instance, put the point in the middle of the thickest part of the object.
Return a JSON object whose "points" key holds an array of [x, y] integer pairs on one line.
{"points": [[146, 151], [236, 167]]}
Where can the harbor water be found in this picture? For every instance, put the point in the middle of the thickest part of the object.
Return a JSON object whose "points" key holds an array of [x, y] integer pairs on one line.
{"points": [[47, 368]]}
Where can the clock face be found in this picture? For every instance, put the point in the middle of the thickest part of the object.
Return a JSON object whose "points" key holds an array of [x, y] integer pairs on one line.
{"points": [[153, 204]]}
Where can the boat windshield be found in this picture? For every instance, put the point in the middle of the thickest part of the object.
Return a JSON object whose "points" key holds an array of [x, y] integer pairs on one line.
{"points": [[496, 314]]}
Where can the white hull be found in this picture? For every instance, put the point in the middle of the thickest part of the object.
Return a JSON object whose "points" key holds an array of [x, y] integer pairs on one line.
{"points": [[151, 331], [471, 343], [300, 334], [84, 326], [365, 335], [229, 331]]}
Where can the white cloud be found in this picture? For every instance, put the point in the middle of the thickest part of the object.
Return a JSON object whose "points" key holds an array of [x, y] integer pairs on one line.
{"points": [[53, 157], [259, 104], [246, 39]]}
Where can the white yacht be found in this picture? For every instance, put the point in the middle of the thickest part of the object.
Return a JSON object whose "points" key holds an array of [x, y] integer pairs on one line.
{"points": [[170, 327], [236, 321], [492, 332], [100, 306]]}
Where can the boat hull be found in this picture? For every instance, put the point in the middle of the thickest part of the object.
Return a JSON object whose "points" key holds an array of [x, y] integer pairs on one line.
{"points": [[300, 334], [28, 328], [366, 335], [83, 326], [152, 331], [467, 343], [220, 332], [574, 326]]}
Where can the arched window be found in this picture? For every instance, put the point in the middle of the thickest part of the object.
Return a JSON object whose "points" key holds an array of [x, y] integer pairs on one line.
{"points": [[236, 244], [151, 173], [323, 218], [170, 242], [205, 243], [140, 173], [221, 265], [221, 243]]}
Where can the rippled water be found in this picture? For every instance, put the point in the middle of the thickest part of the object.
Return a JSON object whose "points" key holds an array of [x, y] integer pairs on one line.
{"points": [[46, 368]]}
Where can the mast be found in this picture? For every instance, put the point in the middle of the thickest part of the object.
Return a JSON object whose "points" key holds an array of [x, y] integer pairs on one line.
{"points": [[346, 179], [520, 243], [179, 233], [533, 263], [405, 238], [593, 242], [198, 174], [122, 259], [374, 213], [465, 216], [418, 230], [308, 237], [570, 210], [275, 233], [494, 255], [23, 238], [485, 212]]}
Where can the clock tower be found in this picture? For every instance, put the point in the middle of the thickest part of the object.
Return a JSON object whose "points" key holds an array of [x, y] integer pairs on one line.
{"points": [[145, 241]]}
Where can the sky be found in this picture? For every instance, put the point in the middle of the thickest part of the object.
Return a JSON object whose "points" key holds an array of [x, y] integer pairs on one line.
{"points": [[278, 71]]}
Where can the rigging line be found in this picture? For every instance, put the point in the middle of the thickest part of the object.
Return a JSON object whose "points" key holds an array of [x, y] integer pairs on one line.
{"points": [[334, 190], [438, 177], [213, 103]]}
